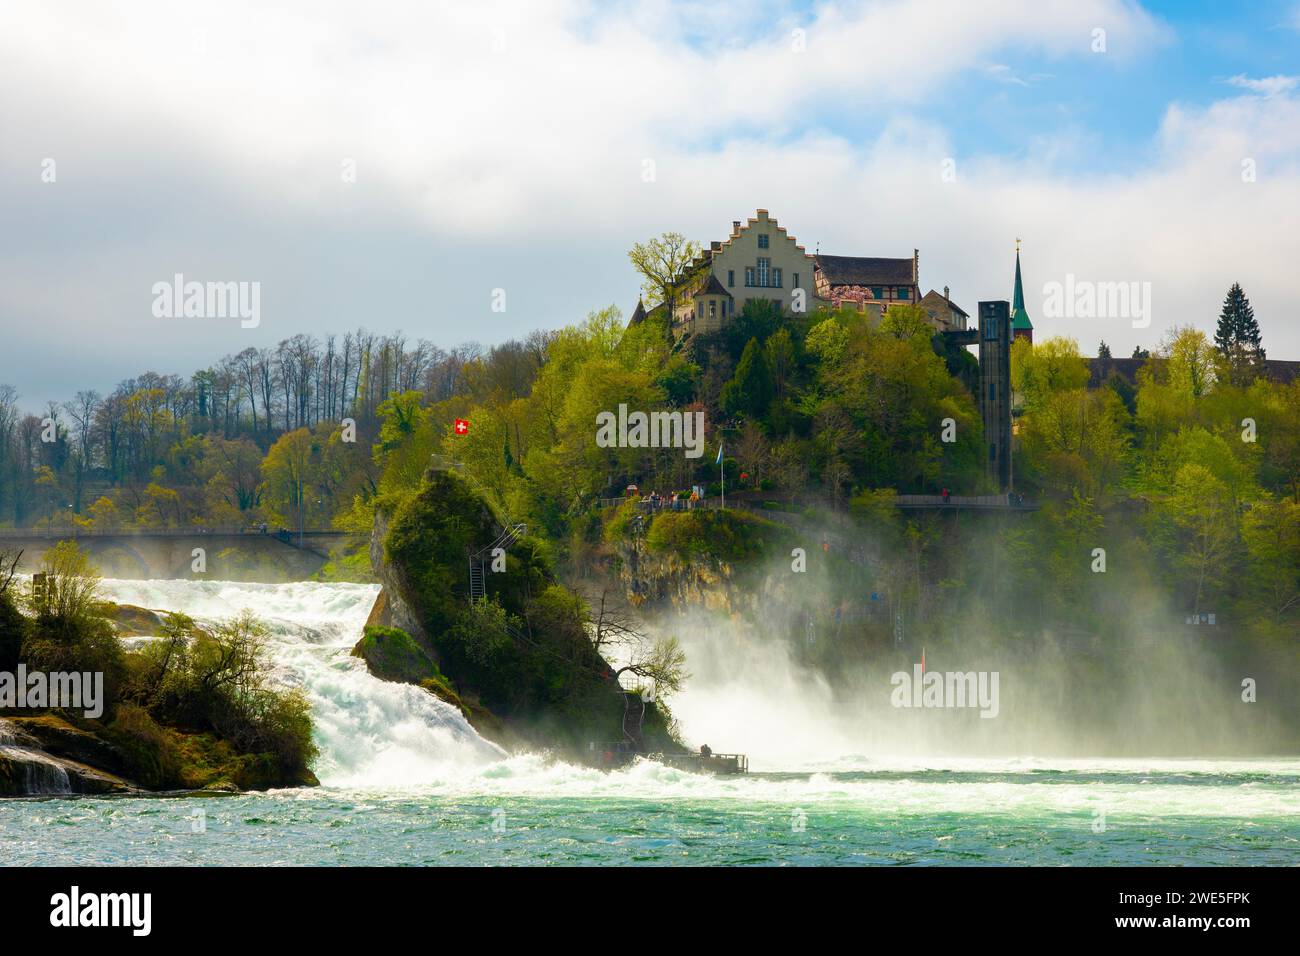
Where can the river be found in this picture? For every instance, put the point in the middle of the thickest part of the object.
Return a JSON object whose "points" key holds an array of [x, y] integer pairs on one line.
{"points": [[405, 780]]}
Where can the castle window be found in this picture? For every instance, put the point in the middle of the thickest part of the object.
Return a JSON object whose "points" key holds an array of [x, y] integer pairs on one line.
{"points": [[795, 285], [762, 240], [731, 277], [713, 309], [877, 292], [776, 278], [902, 292], [701, 310], [749, 275], [993, 391], [763, 266]]}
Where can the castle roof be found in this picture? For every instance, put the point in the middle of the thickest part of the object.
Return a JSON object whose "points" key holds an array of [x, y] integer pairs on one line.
{"points": [[638, 314], [859, 270], [933, 297], [712, 287]]}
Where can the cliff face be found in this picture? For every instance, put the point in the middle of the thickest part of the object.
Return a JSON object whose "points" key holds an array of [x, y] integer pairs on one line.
{"points": [[703, 561], [678, 582], [391, 607]]}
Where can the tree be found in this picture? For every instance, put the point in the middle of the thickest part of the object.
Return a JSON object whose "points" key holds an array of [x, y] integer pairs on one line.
{"points": [[662, 662], [752, 449], [660, 262], [1237, 338], [71, 590], [1043, 368], [750, 391], [1198, 529], [781, 359], [1103, 351], [288, 473], [1190, 361], [1271, 531]]}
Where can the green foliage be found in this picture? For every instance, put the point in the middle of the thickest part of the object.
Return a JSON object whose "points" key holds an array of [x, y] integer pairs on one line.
{"points": [[392, 655], [215, 681], [430, 536], [1238, 338], [13, 632], [731, 536], [751, 390]]}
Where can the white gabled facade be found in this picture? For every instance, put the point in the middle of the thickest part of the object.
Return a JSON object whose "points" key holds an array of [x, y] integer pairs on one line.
{"points": [[759, 260]]}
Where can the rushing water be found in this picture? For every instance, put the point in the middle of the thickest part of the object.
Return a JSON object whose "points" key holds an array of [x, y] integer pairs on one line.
{"points": [[407, 781]]}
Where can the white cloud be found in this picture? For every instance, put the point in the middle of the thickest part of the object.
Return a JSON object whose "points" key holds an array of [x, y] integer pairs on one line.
{"points": [[1265, 86], [209, 143]]}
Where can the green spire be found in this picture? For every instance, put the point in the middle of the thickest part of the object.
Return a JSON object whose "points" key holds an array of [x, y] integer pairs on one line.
{"points": [[1019, 317]]}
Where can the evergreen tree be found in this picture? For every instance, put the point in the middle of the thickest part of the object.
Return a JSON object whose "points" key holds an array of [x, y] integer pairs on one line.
{"points": [[1103, 350], [750, 391], [1238, 338]]}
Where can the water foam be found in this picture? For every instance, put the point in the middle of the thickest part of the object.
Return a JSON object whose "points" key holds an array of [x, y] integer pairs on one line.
{"points": [[370, 732]]}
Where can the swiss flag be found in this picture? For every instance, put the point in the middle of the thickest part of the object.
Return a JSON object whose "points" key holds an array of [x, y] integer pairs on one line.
{"points": [[462, 426]]}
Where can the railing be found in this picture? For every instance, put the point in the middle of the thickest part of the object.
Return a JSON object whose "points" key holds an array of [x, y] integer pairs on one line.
{"points": [[1009, 502], [136, 532], [620, 753], [712, 763]]}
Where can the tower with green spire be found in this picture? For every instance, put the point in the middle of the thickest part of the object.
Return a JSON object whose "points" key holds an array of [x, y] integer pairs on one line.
{"points": [[1021, 327]]}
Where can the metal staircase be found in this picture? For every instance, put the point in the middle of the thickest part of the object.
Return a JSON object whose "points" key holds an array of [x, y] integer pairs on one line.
{"points": [[633, 710], [478, 559]]}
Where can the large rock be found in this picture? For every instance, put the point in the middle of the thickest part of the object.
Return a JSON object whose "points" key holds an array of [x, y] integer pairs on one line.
{"points": [[522, 662], [27, 768]]}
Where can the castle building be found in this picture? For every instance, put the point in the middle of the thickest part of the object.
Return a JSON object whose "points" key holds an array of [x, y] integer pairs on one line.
{"points": [[944, 314], [761, 260], [868, 284]]}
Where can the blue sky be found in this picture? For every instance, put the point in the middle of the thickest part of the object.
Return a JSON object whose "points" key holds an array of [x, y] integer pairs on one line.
{"points": [[502, 145]]}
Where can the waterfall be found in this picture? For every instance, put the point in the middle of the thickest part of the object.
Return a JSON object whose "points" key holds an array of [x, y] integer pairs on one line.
{"points": [[41, 774], [370, 732]]}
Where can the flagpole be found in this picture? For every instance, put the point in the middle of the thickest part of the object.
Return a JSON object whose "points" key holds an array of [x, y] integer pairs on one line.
{"points": [[722, 474]]}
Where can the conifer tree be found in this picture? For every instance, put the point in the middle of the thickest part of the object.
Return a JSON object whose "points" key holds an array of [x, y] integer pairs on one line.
{"points": [[1238, 338]]}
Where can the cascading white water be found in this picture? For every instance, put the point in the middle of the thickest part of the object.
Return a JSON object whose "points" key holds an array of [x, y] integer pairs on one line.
{"points": [[370, 732]]}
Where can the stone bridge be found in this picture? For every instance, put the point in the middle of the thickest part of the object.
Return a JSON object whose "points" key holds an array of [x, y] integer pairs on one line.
{"points": [[225, 554]]}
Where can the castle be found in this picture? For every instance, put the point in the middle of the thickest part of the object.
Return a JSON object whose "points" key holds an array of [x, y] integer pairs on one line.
{"points": [[761, 260]]}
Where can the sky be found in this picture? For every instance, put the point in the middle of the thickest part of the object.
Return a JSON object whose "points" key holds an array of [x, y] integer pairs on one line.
{"points": [[394, 165]]}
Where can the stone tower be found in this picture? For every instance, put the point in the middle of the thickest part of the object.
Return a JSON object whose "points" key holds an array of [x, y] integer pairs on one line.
{"points": [[995, 387]]}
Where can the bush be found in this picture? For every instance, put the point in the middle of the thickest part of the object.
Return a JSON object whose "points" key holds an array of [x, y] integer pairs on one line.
{"points": [[216, 682], [392, 655], [152, 757], [721, 535], [13, 631]]}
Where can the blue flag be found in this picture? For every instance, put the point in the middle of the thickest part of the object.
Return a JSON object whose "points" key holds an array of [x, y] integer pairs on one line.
{"points": [[719, 461]]}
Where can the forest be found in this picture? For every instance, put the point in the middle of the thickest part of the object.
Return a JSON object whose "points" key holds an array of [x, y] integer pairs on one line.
{"points": [[1196, 460]]}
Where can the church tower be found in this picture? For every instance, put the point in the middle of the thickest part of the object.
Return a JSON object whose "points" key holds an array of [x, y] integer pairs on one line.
{"points": [[1021, 327]]}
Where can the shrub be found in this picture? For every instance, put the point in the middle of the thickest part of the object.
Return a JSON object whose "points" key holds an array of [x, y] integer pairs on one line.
{"points": [[392, 655], [721, 535]]}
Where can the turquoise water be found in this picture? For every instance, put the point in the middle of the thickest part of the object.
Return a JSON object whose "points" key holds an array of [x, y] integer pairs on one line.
{"points": [[408, 781], [1248, 813]]}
